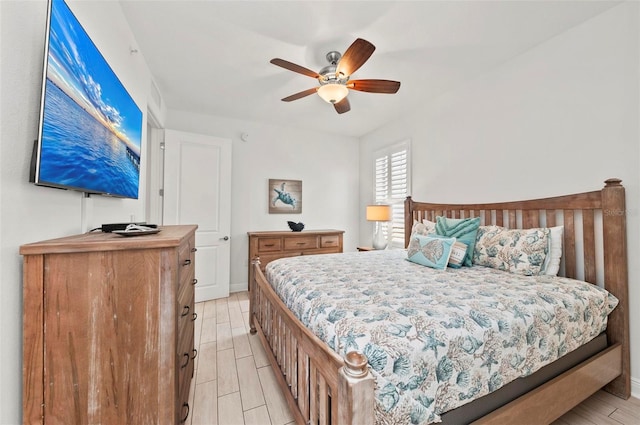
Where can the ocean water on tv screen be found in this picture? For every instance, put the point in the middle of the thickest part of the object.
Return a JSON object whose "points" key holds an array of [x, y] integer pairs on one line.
{"points": [[79, 152]]}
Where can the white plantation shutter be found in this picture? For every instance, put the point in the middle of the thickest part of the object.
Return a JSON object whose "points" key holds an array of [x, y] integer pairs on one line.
{"points": [[392, 186]]}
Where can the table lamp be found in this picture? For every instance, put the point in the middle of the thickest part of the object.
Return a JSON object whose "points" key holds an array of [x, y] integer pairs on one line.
{"points": [[379, 214]]}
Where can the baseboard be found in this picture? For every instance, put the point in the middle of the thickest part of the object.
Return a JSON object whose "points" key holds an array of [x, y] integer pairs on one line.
{"points": [[238, 287], [635, 388]]}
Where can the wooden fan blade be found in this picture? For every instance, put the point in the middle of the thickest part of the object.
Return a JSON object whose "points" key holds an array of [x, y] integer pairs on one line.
{"points": [[295, 68], [374, 86], [356, 55], [342, 106], [300, 95]]}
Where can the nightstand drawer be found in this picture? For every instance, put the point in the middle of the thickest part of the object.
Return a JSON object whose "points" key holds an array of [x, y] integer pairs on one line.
{"points": [[301, 242], [329, 241], [269, 244]]}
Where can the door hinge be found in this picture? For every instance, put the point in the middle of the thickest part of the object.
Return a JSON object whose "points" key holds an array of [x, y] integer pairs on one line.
{"points": [[161, 192], [162, 145]]}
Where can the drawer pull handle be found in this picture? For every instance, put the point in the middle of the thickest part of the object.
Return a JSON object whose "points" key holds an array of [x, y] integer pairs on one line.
{"points": [[185, 311], [183, 420], [302, 243], [195, 316], [186, 358], [329, 242], [194, 281], [269, 244], [194, 249], [186, 262], [195, 354]]}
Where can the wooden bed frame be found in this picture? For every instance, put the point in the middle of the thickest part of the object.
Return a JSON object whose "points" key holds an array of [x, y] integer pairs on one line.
{"points": [[322, 387]]}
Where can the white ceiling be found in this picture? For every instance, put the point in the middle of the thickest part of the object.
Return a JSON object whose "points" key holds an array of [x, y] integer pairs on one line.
{"points": [[212, 57]]}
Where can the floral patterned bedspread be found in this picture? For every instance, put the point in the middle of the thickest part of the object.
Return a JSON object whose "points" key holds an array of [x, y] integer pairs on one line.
{"points": [[435, 339]]}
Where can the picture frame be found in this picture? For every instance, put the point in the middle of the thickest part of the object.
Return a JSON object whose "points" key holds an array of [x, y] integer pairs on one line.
{"points": [[285, 196]]}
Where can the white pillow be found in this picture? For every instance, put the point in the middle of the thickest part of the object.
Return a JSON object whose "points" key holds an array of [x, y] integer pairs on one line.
{"points": [[431, 226], [425, 228], [551, 264]]}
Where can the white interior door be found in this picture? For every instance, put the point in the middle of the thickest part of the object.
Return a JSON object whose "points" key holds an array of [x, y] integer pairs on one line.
{"points": [[197, 190]]}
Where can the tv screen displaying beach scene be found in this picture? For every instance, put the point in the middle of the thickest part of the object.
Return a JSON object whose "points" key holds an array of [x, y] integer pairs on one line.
{"points": [[90, 127]]}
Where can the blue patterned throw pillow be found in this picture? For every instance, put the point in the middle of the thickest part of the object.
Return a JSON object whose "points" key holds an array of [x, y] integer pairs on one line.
{"points": [[431, 251], [464, 230]]}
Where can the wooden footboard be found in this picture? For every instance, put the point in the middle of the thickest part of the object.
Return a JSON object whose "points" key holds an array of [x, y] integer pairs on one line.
{"points": [[320, 386]]}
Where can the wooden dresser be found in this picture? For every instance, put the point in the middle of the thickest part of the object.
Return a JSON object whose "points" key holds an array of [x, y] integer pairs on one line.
{"points": [[270, 246], [109, 328]]}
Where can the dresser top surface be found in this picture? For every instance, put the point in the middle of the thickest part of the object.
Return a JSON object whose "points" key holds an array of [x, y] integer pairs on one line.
{"points": [[169, 236], [292, 233]]}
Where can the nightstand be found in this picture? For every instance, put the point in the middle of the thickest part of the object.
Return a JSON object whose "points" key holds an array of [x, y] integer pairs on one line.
{"points": [[365, 248]]}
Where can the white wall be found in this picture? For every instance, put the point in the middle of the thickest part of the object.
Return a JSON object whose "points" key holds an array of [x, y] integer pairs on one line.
{"points": [[327, 165], [29, 213], [559, 119]]}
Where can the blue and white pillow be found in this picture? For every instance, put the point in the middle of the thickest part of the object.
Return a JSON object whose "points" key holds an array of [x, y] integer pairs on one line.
{"points": [[430, 250], [464, 230], [521, 251]]}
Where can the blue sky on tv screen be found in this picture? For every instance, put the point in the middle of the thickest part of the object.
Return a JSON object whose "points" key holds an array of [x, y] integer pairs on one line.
{"points": [[77, 67]]}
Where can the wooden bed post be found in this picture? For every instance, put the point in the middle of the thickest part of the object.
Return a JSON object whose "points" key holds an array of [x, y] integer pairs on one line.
{"points": [[408, 220], [616, 278], [355, 390], [255, 262]]}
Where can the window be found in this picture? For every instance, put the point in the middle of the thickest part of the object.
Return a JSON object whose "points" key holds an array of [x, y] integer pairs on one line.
{"points": [[392, 185]]}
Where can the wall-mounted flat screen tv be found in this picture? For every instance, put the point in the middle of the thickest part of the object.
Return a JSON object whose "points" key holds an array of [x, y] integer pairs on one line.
{"points": [[90, 129]]}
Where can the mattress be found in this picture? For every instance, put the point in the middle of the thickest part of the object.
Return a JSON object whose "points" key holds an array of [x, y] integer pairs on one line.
{"points": [[435, 339]]}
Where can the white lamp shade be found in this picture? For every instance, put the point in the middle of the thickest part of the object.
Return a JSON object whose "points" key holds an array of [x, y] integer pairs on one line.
{"points": [[378, 212], [332, 92]]}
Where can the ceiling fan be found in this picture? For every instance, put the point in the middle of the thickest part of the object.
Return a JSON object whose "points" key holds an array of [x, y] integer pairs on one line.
{"points": [[334, 78]]}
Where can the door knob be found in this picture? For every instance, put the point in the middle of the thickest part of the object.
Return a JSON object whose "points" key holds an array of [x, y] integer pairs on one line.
{"points": [[226, 238]]}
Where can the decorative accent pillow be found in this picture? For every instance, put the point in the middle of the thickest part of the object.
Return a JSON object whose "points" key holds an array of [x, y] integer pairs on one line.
{"points": [[458, 251], [520, 251], [431, 226], [463, 229], [425, 228], [551, 265], [430, 251]]}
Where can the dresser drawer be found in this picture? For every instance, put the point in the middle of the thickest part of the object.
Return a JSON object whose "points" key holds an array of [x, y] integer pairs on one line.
{"points": [[185, 298], [186, 363], [301, 242], [186, 326], [186, 256], [329, 241], [269, 244], [185, 341], [185, 277]]}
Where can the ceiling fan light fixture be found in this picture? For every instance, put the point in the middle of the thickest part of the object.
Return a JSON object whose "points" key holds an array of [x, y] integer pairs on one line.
{"points": [[333, 92], [335, 78]]}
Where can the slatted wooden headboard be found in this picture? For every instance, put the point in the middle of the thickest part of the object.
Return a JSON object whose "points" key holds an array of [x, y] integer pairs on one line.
{"points": [[601, 241]]}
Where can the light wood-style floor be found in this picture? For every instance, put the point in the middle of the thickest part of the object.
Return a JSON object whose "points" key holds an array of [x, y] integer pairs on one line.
{"points": [[234, 384]]}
